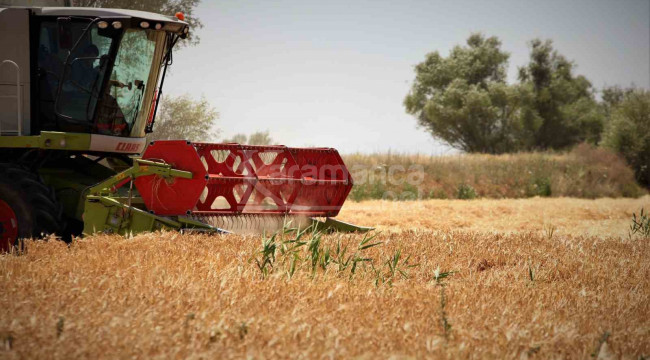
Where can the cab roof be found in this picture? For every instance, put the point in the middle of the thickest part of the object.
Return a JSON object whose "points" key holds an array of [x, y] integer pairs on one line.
{"points": [[103, 12]]}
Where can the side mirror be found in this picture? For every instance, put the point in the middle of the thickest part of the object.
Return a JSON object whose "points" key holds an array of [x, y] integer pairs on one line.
{"points": [[64, 25]]}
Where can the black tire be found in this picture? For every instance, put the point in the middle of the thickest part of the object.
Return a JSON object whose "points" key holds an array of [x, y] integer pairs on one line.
{"points": [[33, 203], [73, 229]]}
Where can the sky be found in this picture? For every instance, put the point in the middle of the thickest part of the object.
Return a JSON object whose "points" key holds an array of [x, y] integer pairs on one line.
{"points": [[335, 73]]}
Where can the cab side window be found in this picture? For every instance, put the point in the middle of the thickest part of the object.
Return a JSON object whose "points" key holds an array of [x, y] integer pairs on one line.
{"points": [[50, 68], [70, 80]]}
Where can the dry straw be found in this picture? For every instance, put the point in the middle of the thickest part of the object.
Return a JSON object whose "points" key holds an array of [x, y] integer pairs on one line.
{"points": [[513, 294]]}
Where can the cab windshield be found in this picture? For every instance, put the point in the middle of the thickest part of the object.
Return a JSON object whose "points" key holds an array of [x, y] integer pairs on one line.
{"points": [[126, 104], [116, 104]]}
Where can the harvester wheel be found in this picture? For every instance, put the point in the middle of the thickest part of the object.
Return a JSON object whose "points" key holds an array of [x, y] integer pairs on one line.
{"points": [[28, 208]]}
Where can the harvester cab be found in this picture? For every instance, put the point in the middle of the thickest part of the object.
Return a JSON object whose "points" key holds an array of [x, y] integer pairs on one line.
{"points": [[85, 71], [79, 90]]}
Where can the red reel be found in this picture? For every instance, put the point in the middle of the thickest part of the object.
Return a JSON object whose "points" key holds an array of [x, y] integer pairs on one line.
{"points": [[233, 179], [172, 196]]}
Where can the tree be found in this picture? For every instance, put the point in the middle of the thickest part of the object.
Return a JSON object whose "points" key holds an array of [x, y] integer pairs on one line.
{"points": [[628, 131], [237, 138], [165, 7], [185, 119], [260, 138], [256, 138], [463, 99], [563, 101], [612, 96]]}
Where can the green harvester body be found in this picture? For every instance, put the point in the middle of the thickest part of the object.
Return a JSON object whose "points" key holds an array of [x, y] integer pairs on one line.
{"points": [[79, 91]]}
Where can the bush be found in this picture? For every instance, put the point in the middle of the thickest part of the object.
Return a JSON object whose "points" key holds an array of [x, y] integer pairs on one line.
{"points": [[540, 186], [466, 192], [438, 194], [365, 191], [628, 132], [585, 172]]}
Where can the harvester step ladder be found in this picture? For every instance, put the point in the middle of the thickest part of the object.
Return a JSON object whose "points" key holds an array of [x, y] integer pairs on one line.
{"points": [[19, 110]]}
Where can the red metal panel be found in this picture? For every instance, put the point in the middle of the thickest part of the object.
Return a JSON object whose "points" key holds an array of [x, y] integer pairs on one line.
{"points": [[246, 179]]}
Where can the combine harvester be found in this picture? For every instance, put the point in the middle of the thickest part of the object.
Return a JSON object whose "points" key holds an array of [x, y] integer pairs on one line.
{"points": [[78, 93]]}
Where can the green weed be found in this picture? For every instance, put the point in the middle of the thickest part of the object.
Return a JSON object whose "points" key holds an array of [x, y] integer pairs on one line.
{"points": [[444, 320], [640, 225], [292, 249]]}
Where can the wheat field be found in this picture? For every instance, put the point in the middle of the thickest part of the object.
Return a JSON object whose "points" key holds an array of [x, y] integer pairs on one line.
{"points": [[516, 279]]}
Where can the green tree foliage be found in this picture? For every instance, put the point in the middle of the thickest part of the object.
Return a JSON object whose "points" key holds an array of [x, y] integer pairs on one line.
{"points": [[184, 118], [611, 97], [237, 138], [256, 138], [565, 102], [464, 100], [260, 138], [164, 7], [628, 131]]}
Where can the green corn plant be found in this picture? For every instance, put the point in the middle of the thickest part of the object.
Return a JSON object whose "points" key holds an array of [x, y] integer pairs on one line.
{"points": [[352, 261], [549, 230], [396, 267], [314, 248], [365, 242], [380, 279], [267, 255], [601, 341], [290, 249], [533, 350], [446, 325], [319, 256], [292, 265], [242, 330], [294, 247], [325, 259], [640, 225], [339, 256], [186, 326], [8, 340], [59, 326], [355, 262], [441, 276], [393, 263], [444, 320]]}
